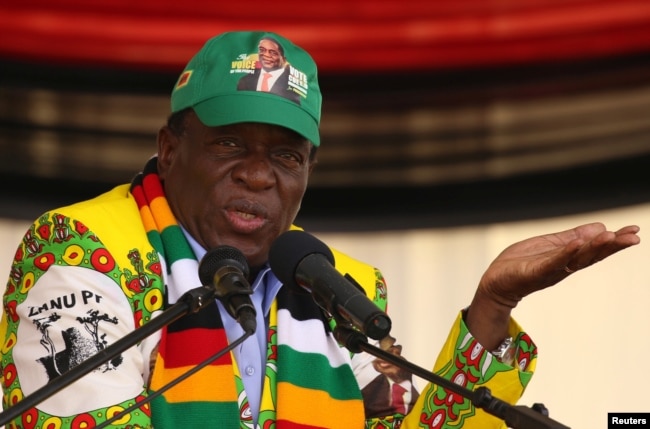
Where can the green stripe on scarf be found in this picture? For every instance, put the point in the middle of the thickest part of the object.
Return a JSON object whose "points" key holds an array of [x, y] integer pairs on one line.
{"points": [[194, 414], [316, 374], [176, 246]]}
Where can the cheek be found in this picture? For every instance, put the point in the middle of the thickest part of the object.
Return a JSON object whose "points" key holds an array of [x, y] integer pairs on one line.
{"points": [[193, 170], [292, 199], [185, 184]]}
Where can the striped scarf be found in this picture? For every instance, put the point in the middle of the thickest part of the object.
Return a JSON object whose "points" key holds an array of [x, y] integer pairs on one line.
{"points": [[308, 379]]}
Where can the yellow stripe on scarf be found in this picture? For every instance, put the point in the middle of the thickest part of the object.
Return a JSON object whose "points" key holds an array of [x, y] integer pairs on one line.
{"points": [[202, 386], [308, 406], [164, 215], [147, 219]]}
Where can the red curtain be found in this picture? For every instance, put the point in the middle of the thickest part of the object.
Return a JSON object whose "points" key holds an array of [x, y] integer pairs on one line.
{"points": [[342, 35]]}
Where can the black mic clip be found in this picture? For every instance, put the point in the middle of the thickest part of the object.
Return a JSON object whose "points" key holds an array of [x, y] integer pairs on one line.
{"points": [[231, 285], [348, 336], [199, 297], [225, 270]]}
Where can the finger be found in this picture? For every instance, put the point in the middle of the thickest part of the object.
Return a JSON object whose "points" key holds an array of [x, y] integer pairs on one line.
{"points": [[568, 270], [567, 261], [629, 235], [590, 230], [602, 246], [630, 229]]}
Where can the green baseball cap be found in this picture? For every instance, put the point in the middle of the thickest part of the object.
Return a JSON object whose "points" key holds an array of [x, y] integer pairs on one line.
{"points": [[223, 83]]}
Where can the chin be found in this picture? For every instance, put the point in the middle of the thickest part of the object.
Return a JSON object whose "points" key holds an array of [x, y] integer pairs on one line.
{"points": [[255, 255]]}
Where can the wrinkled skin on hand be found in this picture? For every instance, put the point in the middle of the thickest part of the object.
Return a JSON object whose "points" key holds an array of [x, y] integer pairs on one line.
{"points": [[535, 264]]}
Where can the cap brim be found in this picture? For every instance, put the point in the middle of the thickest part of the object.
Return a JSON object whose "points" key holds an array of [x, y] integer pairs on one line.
{"points": [[254, 106]]}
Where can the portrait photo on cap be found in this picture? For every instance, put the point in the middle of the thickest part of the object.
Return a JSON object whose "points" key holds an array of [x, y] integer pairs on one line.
{"points": [[272, 73]]}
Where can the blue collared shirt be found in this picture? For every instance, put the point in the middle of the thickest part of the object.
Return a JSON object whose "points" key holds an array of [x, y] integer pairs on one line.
{"points": [[251, 354]]}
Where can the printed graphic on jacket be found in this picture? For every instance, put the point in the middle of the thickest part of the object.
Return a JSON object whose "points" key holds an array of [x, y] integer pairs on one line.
{"points": [[391, 389], [68, 299], [78, 347]]}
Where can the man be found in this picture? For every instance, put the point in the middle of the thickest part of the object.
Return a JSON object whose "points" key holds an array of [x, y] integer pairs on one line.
{"points": [[392, 390], [271, 73], [231, 169]]}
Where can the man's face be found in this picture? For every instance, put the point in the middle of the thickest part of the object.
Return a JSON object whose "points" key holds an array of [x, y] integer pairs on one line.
{"points": [[269, 55], [239, 185]]}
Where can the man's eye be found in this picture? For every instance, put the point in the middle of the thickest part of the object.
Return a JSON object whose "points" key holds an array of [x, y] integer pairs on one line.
{"points": [[291, 157], [227, 143]]}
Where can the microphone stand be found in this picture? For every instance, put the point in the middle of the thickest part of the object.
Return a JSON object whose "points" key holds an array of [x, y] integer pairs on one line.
{"points": [[191, 302], [516, 417]]}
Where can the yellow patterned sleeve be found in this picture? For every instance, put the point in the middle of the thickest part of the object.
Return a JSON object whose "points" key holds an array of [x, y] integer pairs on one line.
{"points": [[464, 361]]}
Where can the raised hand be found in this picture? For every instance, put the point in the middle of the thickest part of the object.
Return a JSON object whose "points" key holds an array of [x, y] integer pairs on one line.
{"points": [[535, 264]]}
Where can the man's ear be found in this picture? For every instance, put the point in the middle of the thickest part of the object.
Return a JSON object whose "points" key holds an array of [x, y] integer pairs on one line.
{"points": [[167, 143], [312, 164], [313, 161]]}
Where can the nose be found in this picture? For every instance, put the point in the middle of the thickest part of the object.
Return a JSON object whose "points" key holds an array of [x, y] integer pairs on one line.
{"points": [[255, 171]]}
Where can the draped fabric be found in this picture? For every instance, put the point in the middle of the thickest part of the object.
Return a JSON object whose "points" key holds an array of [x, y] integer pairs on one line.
{"points": [[461, 101], [346, 36]]}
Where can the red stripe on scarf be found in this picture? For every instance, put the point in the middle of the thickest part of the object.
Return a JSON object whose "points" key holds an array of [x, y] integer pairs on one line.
{"points": [[193, 346], [138, 194], [153, 187]]}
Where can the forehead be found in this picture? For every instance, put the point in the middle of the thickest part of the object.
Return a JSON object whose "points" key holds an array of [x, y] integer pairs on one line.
{"points": [[268, 131], [195, 127]]}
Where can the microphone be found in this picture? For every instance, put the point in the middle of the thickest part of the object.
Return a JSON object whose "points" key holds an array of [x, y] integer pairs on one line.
{"points": [[299, 258], [225, 269]]}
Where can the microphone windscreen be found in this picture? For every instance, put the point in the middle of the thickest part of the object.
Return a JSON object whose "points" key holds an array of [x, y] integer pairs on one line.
{"points": [[220, 257], [292, 247]]}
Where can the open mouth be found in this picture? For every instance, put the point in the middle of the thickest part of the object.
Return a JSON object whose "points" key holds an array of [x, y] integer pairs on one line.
{"points": [[246, 217]]}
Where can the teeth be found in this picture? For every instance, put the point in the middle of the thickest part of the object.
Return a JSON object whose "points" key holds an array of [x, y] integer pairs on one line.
{"points": [[246, 215]]}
